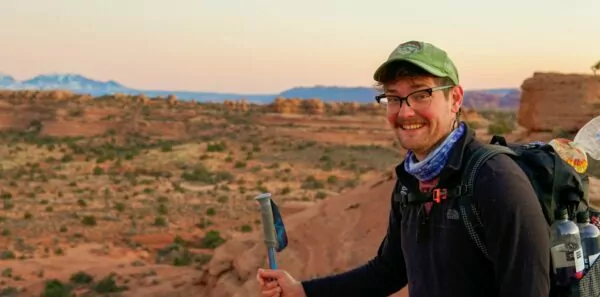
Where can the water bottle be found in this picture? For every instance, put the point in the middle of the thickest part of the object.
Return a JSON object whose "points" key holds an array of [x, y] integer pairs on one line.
{"points": [[590, 239], [566, 250]]}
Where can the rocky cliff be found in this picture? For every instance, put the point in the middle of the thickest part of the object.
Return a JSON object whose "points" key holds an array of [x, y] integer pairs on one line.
{"points": [[335, 235], [555, 101]]}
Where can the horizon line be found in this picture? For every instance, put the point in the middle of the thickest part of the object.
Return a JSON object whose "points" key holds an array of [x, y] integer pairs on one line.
{"points": [[228, 92]]}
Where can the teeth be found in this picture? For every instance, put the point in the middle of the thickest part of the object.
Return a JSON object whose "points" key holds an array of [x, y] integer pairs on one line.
{"points": [[412, 126]]}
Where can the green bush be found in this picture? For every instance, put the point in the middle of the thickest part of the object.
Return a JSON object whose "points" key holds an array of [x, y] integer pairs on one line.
{"points": [[212, 240]]}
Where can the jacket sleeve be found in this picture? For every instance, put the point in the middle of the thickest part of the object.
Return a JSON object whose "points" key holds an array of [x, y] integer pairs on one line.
{"points": [[515, 229], [381, 276]]}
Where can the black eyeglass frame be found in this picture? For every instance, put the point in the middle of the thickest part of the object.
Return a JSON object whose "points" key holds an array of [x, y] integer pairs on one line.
{"points": [[405, 99]]}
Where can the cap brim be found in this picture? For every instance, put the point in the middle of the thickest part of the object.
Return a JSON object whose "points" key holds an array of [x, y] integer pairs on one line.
{"points": [[431, 70]]}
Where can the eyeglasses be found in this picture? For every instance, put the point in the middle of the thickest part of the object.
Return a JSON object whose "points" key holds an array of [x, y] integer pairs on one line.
{"points": [[417, 100]]}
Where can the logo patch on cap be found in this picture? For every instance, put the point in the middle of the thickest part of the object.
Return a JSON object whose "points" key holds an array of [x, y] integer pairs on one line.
{"points": [[408, 48]]}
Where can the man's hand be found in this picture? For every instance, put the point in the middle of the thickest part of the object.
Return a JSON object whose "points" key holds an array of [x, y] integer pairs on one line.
{"points": [[278, 283]]}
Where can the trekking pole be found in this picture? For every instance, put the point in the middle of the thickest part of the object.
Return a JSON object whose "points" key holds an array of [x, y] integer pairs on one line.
{"points": [[268, 222]]}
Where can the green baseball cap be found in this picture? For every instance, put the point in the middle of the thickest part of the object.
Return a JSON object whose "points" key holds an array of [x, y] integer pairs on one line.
{"points": [[425, 55]]}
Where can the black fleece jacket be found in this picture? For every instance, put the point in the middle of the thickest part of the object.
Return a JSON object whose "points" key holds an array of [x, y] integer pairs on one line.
{"points": [[447, 263]]}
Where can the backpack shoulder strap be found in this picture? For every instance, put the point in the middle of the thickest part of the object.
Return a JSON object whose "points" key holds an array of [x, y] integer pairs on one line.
{"points": [[468, 211], [478, 159]]}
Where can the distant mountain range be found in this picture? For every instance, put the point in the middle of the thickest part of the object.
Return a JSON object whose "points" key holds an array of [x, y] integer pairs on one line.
{"points": [[490, 98]]}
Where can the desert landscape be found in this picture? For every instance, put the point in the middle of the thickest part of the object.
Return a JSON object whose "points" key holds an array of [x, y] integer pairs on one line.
{"points": [[127, 195]]}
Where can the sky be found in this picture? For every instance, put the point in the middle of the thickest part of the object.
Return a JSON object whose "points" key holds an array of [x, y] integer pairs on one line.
{"points": [[267, 46]]}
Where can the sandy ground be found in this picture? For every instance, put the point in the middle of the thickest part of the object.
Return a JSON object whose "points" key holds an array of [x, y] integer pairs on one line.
{"points": [[131, 268], [325, 237]]}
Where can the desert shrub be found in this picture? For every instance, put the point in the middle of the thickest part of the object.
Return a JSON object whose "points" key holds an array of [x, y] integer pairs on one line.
{"points": [[184, 258], [7, 255], [500, 127], [203, 175], [332, 179], [81, 278], [89, 221], [108, 285], [162, 209], [8, 205], [9, 291], [321, 195], [119, 206], [212, 240], [55, 288], [216, 147], [166, 147], [312, 182], [210, 211], [160, 221], [202, 259], [285, 191], [98, 171]]}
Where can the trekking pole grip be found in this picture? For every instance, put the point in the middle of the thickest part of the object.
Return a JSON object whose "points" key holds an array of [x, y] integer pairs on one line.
{"points": [[270, 236]]}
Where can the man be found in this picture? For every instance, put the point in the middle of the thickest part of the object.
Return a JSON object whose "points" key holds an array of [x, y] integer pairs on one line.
{"points": [[427, 246]]}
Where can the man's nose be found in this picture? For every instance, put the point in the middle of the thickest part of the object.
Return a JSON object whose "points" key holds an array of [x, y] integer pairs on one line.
{"points": [[405, 110]]}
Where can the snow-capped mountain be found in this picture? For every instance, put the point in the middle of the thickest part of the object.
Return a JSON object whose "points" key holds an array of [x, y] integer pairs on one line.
{"points": [[57, 81], [83, 85], [6, 79]]}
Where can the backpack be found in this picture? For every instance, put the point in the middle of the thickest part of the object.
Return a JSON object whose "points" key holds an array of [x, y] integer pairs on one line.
{"points": [[556, 184]]}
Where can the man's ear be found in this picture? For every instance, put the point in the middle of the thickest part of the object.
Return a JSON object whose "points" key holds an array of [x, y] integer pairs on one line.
{"points": [[457, 97]]}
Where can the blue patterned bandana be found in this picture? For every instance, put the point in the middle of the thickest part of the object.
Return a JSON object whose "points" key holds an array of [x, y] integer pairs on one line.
{"points": [[433, 164]]}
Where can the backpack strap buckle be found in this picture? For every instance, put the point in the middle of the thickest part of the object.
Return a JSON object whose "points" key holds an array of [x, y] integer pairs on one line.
{"points": [[439, 195]]}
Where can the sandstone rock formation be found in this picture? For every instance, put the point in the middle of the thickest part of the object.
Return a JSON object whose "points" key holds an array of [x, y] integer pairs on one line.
{"points": [[236, 105], [316, 106], [171, 99], [373, 108], [283, 105], [353, 107], [243, 105], [313, 106], [334, 107], [142, 99], [335, 235], [555, 101], [35, 95], [350, 107]]}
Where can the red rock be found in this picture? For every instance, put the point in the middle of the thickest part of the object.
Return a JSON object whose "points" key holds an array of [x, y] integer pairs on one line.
{"points": [[555, 101], [326, 238]]}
